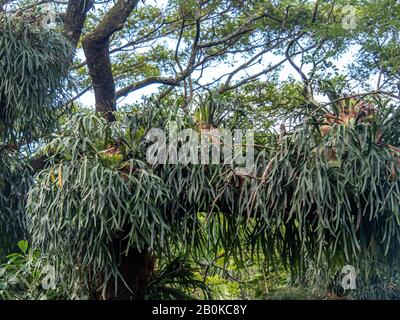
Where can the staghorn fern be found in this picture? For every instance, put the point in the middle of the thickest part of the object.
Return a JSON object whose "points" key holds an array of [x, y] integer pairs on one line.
{"points": [[323, 196], [98, 187], [334, 194], [33, 67], [34, 63], [15, 181]]}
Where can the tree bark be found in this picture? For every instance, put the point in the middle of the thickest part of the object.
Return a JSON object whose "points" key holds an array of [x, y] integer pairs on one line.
{"points": [[74, 19], [96, 46], [137, 268]]}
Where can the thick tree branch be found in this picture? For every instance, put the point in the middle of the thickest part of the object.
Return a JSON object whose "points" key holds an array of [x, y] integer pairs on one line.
{"points": [[171, 81], [74, 19], [146, 82], [96, 46]]}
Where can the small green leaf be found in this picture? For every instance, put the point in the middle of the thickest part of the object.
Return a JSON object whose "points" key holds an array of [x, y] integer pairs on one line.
{"points": [[23, 245]]}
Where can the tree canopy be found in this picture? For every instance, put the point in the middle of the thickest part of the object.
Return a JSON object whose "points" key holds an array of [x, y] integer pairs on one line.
{"points": [[75, 180]]}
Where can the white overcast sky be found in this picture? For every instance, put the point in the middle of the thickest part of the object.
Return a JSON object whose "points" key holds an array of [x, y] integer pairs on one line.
{"points": [[215, 72]]}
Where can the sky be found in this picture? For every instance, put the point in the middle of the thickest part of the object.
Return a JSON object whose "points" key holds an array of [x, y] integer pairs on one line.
{"points": [[215, 72]]}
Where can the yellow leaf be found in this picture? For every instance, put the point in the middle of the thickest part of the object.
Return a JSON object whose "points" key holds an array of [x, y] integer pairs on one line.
{"points": [[53, 178], [60, 176]]}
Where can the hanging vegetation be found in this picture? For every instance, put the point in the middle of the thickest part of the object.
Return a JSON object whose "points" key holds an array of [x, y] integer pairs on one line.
{"points": [[332, 191], [75, 177], [33, 67], [99, 188], [328, 193], [15, 181], [36, 62]]}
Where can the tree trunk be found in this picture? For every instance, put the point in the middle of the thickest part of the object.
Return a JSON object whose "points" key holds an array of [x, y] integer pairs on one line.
{"points": [[98, 60], [96, 46], [136, 268]]}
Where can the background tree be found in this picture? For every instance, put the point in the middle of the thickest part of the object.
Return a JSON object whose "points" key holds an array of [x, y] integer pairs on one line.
{"points": [[95, 187]]}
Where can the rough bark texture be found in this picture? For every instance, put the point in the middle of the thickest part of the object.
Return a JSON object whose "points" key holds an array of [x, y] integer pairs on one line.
{"points": [[102, 79], [137, 268], [96, 46], [74, 19]]}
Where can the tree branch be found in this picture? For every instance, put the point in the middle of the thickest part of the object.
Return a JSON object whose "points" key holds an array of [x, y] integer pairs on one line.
{"points": [[96, 46], [74, 19]]}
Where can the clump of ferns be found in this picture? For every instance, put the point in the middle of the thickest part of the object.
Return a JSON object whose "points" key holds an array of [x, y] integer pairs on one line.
{"points": [[92, 192], [325, 194], [331, 191], [34, 65], [98, 187], [15, 181], [176, 279]]}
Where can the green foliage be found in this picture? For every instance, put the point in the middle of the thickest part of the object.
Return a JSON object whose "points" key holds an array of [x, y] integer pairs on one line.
{"points": [[324, 195], [334, 194], [255, 279], [15, 181], [34, 64], [328, 193], [378, 46], [23, 274], [98, 187], [176, 281], [89, 195]]}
